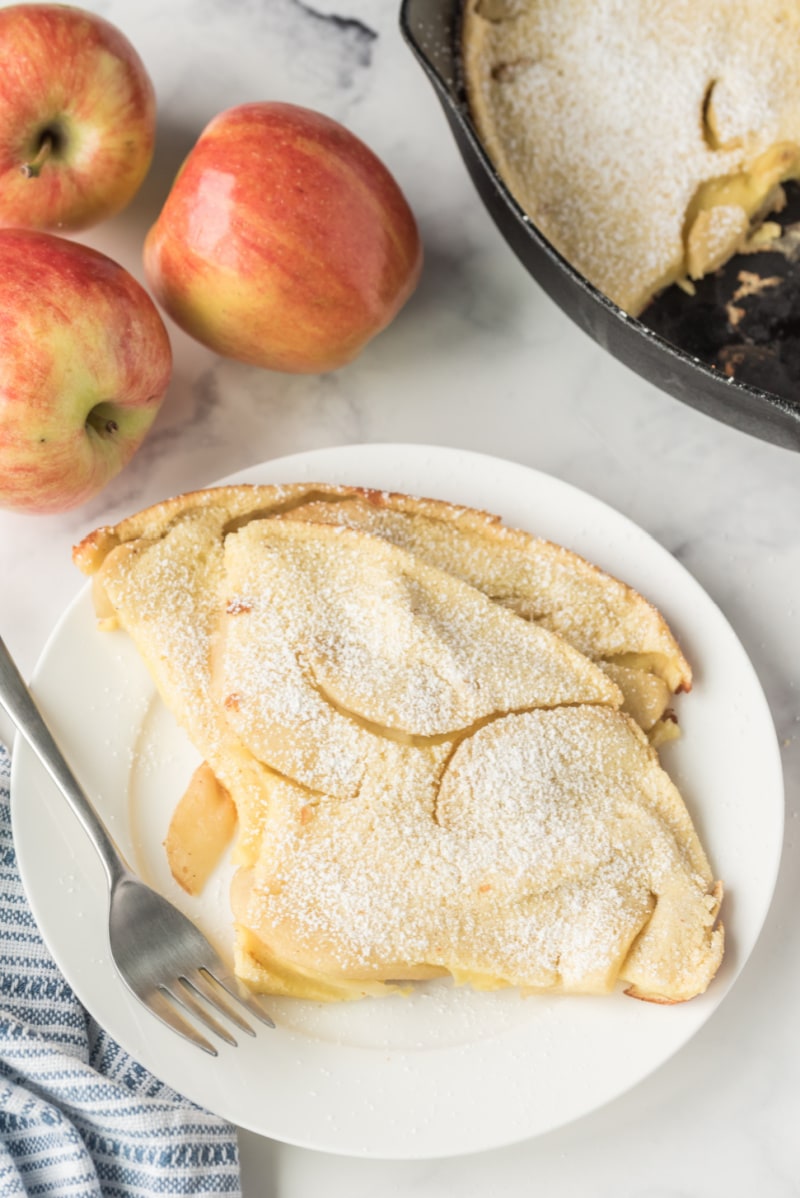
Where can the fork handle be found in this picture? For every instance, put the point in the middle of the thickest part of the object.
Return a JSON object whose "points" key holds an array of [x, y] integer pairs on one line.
{"points": [[19, 703]]}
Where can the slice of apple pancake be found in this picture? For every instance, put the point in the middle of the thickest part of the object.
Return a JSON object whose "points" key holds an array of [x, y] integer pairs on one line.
{"points": [[174, 578]]}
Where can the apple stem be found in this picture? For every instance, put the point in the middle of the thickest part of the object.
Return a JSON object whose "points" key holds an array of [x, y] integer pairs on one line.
{"points": [[104, 426], [31, 169]]}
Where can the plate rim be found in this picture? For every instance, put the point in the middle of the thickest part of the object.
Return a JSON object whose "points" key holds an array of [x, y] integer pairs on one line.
{"points": [[487, 461]]}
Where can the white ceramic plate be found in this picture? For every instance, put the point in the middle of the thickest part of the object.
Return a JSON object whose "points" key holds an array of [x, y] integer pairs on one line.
{"points": [[447, 1071]]}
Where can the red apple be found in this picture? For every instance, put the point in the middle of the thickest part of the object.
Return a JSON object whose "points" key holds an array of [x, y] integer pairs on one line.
{"points": [[284, 242], [77, 118], [84, 364]]}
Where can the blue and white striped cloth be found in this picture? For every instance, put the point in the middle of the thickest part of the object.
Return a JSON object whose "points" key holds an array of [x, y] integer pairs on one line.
{"points": [[78, 1117]]}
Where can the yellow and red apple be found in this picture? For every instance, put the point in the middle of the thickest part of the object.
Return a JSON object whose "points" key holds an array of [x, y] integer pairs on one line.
{"points": [[284, 242], [84, 364], [77, 118]]}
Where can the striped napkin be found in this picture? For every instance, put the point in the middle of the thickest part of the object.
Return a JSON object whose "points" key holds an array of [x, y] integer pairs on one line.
{"points": [[78, 1117]]}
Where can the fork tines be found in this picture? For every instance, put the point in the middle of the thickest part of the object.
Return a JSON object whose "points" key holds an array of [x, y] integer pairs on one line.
{"points": [[197, 994]]}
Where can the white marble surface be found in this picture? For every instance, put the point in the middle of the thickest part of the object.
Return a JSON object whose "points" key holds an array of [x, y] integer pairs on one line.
{"points": [[479, 359]]}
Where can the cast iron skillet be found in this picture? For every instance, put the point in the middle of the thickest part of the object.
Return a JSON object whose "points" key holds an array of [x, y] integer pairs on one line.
{"points": [[749, 381]]}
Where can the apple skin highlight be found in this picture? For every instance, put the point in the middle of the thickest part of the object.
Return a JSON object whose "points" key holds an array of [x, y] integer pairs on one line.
{"points": [[85, 361], [77, 118], [284, 242]]}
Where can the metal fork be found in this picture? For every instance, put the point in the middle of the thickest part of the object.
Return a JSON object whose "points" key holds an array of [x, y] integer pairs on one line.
{"points": [[164, 960]]}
